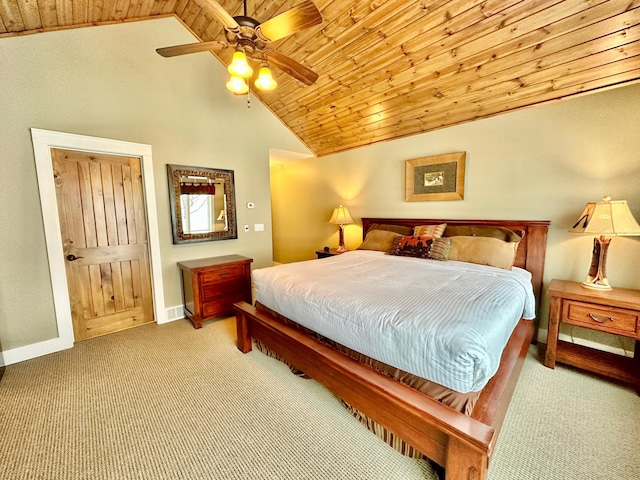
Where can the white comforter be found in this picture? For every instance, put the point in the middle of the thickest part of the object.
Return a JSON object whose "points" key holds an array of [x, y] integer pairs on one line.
{"points": [[447, 322]]}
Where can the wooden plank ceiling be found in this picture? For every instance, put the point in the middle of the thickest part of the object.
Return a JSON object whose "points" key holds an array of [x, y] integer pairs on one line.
{"points": [[392, 68]]}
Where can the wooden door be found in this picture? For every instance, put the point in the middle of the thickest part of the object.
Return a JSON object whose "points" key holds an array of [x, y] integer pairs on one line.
{"points": [[103, 226]]}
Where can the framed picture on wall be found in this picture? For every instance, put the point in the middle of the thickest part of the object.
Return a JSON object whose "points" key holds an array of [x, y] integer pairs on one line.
{"points": [[440, 177]]}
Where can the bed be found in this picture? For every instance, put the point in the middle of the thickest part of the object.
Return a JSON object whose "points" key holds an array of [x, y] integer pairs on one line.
{"points": [[461, 444]]}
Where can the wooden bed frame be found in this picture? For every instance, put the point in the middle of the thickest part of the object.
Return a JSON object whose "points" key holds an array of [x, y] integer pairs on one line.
{"points": [[459, 443]]}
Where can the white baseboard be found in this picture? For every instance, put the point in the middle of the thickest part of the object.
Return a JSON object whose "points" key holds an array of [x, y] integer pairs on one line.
{"points": [[20, 354]]}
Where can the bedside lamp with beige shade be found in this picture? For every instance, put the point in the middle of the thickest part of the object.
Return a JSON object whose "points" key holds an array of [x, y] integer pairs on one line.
{"points": [[608, 217], [341, 217]]}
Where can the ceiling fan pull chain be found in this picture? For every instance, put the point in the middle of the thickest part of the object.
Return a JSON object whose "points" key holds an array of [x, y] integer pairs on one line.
{"points": [[248, 99]]}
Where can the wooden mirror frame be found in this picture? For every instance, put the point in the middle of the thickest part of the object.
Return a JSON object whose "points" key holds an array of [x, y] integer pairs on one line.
{"points": [[174, 172]]}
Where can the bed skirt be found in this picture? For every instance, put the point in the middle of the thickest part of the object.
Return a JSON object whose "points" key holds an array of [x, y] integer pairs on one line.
{"points": [[381, 432], [463, 402]]}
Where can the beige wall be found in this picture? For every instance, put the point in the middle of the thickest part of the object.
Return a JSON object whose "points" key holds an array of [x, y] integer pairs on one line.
{"points": [[109, 82], [541, 163]]}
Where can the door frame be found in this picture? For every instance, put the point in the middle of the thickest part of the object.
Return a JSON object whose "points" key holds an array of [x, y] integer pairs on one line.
{"points": [[43, 142]]}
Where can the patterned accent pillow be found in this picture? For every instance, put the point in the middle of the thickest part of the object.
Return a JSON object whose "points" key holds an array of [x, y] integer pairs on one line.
{"points": [[440, 248], [421, 247], [434, 231]]}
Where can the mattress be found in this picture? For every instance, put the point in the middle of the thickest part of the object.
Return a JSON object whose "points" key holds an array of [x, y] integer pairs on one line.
{"points": [[447, 322]]}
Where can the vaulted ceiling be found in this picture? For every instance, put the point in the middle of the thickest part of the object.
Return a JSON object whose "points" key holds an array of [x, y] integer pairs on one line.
{"points": [[392, 68]]}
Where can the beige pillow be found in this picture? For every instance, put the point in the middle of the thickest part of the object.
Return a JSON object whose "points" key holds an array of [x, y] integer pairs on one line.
{"points": [[483, 231], [434, 231], [483, 251], [392, 228], [379, 240]]}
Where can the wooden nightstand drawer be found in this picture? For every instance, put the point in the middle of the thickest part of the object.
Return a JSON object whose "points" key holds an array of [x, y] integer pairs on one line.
{"points": [[222, 288], [595, 317], [223, 274], [222, 306]]}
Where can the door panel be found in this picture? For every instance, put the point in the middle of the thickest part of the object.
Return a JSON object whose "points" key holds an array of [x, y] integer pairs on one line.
{"points": [[102, 220]]}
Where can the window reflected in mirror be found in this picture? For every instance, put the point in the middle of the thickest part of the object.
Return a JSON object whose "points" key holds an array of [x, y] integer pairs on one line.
{"points": [[203, 204]]}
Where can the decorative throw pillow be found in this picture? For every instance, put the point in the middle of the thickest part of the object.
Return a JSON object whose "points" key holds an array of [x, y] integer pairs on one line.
{"points": [[421, 247], [434, 231], [379, 240], [440, 249], [483, 251]]}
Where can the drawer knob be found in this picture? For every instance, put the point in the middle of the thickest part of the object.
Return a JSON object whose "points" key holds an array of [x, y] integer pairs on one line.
{"points": [[600, 318]]}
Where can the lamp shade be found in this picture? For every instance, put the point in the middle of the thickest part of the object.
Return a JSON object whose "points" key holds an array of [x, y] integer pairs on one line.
{"points": [[604, 218], [341, 216], [239, 65], [237, 85], [265, 80], [608, 217]]}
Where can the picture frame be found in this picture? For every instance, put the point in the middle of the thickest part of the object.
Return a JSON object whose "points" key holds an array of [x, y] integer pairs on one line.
{"points": [[435, 178]]}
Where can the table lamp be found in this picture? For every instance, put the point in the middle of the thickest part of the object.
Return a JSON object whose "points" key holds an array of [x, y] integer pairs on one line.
{"points": [[341, 217], [608, 217]]}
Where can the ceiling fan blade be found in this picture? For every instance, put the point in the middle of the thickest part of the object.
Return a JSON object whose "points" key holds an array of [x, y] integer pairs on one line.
{"points": [[221, 15], [190, 48], [303, 16], [291, 67]]}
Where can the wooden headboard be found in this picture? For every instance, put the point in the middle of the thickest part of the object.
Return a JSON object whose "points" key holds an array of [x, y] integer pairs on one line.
{"points": [[531, 250]]}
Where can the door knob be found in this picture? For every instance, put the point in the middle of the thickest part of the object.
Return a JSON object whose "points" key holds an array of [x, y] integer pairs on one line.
{"points": [[72, 258]]}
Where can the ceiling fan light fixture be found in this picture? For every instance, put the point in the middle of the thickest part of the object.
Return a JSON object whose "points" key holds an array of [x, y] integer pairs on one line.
{"points": [[237, 85], [239, 65], [265, 80], [249, 38]]}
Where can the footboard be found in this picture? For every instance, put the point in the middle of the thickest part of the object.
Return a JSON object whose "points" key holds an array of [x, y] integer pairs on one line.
{"points": [[461, 444]]}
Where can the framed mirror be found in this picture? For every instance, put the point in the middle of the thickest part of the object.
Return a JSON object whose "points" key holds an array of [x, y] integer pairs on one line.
{"points": [[203, 204]]}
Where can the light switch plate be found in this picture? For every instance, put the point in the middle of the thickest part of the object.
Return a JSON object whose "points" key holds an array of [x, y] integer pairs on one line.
{"points": [[246, 228]]}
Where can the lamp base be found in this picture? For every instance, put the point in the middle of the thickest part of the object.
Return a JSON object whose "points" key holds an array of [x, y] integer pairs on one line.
{"points": [[341, 248], [595, 286], [597, 277]]}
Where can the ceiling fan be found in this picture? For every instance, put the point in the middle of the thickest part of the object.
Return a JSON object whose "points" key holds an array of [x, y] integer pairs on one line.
{"points": [[250, 38]]}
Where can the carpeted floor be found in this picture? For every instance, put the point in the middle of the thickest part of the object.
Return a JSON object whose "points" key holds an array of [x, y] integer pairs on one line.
{"points": [[171, 402]]}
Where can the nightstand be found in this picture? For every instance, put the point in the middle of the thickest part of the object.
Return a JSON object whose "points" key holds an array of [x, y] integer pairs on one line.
{"points": [[615, 311], [330, 253], [210, 286]]}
